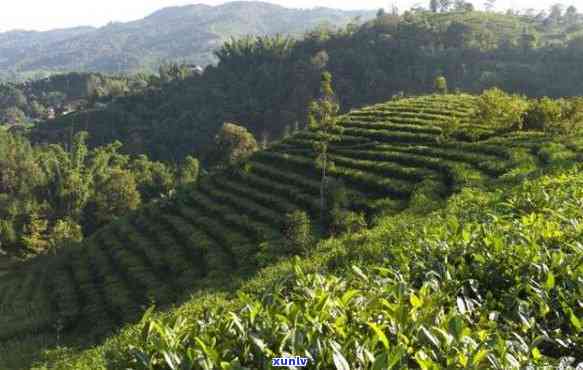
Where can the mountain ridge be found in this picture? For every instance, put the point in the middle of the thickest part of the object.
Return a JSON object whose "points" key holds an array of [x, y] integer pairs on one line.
{"points": [[184, 33]]}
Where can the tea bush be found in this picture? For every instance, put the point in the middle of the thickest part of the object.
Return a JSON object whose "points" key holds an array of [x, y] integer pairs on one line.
{"points": [[344, 221], [464, 275], [297, 231], [491, 281], [500, 110], [543, 113]]}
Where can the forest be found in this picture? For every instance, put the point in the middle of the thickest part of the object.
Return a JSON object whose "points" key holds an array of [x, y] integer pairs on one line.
{"points": [[51, 197], [266, 83], [176, 33], [22, 105]]}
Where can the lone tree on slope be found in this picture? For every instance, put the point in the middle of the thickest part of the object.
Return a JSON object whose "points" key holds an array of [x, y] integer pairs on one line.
{"points": [[434, 5], [441, 85], [323, 120]]}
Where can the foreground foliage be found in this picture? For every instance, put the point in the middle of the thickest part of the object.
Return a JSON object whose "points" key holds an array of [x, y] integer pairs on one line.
{"points": [[492, 281]]}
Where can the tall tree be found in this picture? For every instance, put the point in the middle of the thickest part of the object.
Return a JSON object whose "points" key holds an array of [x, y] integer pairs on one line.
{"points": [[297, 231], [323, 120], [434, 5], [555, 14], [490, 5], [441, 85], [115, 196], [189, 171], [571, 15], [234, 143], [444, 4], [463, 6], [12, 116], [527, 41]]}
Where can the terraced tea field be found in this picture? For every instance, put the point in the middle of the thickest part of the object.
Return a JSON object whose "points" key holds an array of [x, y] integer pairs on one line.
{"points": [[390, 156]]}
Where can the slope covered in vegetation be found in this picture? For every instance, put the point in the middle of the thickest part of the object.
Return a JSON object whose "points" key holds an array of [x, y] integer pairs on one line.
{"points": [[492, 281], [266, 84], [51, 196], [186, 33], [407, 155]]}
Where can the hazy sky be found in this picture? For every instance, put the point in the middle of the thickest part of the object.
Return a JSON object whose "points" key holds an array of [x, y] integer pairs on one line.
{"points": [[49, 14]]}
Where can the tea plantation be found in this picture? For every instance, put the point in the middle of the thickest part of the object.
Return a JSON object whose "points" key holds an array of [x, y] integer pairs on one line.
{"points": [[473, 259]]}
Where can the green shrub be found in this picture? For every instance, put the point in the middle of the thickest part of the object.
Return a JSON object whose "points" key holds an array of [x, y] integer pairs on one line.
{"points": [[426, 196], [572, 122], [501, 110], [337, 194], [441, 85], [234, 143], [555, 152], [189, 171], [297, 231], [490, 282], [543, 113], [344, 221], [449, 129]]}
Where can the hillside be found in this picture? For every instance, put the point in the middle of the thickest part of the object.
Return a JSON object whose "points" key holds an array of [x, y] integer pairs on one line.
{"points": [[266, 84], [407, 157], [40, 100], [188, 33]]}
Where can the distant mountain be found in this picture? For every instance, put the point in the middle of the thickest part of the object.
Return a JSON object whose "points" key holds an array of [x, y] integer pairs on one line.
{"points": [[188, 33]]}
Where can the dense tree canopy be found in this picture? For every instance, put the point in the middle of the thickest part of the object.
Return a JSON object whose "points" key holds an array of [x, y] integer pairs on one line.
{"points": [[39, 100], [190, 33], [234, 143], [49, 195], [266, 83]]}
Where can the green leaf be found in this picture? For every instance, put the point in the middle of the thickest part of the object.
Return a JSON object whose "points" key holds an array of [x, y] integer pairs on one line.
{"points": [[285, 339], [340, 361], [466, 236], [379, 362], [575, 321], [142, 358], [479, 356], [396, 356], [424, 361], [550, 283], [171, 359], [359, 272], [208, 351], [259, 343], [512, 361], [461, 305], [348, 296], [536, 355], [415, 301], [235, 320], [432, 338], [456, 326], [379, 334]]}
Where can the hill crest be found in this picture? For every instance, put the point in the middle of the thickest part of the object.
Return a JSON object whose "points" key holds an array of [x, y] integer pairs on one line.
{"points": [[186, 33]]}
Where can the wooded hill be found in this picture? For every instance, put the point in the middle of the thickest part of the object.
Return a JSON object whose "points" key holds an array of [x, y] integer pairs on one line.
{"points": [[39, 100], [265, 84], [184, 34]]}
